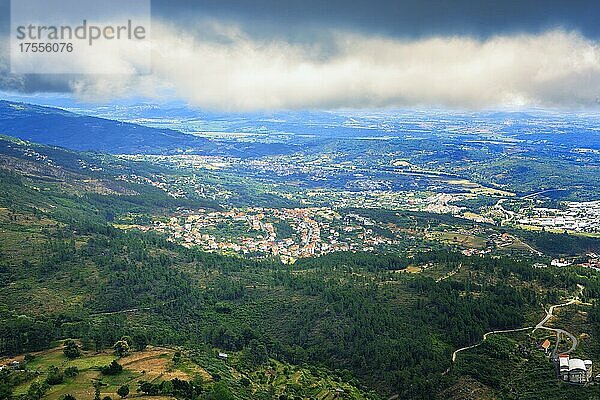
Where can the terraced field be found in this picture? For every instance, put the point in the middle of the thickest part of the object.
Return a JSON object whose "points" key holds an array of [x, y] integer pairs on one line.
{"points": [[159, 364]]}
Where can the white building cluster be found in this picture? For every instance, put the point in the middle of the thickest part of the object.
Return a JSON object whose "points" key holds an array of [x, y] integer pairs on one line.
{"points": [[574, 370], [576, 216]]}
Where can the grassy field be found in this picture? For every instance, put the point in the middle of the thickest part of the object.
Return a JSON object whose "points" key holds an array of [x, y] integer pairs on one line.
{"points": [[459, 239], [159, 364], [150, 365]]}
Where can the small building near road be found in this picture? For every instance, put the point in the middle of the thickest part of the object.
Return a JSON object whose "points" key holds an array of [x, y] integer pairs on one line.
{"points": [[545, 346]]}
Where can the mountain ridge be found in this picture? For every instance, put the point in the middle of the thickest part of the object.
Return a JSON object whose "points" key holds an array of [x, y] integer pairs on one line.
{"points": [[58, 127]]}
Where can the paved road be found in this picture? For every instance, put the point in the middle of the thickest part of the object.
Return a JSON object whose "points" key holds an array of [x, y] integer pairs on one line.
{"points": [[559, 332], [556, 330], [549, 312], [542, 192], [511, 214], [540, 325], [131, 310], [534, 251], [485, 337]]}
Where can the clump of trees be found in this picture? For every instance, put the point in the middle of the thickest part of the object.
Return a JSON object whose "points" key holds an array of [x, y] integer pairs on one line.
{"points": [[121, 348], [71, 349], [114, 368], [71, 372], [254, 354], [54, 376], [175, 387], [37, 390], [123, 391]]}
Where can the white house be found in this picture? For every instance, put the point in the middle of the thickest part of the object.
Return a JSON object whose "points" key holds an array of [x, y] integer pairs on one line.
{"points": [[574, 370]]}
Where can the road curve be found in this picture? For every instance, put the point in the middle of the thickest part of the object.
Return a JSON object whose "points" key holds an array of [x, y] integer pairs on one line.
{"points": [[485, 337], [558, 331], [549, 313], [540, 325]]}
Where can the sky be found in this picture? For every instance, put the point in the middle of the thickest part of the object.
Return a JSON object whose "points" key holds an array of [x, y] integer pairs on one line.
{"points": [[244, 55]]}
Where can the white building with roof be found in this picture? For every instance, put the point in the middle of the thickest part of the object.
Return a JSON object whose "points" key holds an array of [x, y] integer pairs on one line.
{"points": [[574, 370]]}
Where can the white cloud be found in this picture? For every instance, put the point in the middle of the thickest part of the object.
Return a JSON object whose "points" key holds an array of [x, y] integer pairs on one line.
{"points": [[556, 68]]}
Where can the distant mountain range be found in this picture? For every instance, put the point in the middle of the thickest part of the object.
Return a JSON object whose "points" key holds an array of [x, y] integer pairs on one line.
{"points": [[58, 127], [74, 131]]}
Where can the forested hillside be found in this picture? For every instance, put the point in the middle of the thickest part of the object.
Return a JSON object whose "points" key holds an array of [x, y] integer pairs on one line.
{"points": [[367, 320]]}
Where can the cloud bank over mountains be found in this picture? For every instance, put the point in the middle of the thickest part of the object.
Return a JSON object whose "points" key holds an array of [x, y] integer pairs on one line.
{"points": [[221, 66]]}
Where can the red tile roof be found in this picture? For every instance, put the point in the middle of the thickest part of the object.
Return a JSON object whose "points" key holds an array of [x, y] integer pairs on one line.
{"points": [[546, 344]]}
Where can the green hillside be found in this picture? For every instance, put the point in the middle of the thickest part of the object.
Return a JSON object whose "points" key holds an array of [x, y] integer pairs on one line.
{"points": [[165, 373], [361, 322]]}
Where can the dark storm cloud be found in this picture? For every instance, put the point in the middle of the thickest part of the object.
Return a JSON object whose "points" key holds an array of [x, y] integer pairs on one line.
{"points": [[405, 18], [401, 18], [4, 17]]}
